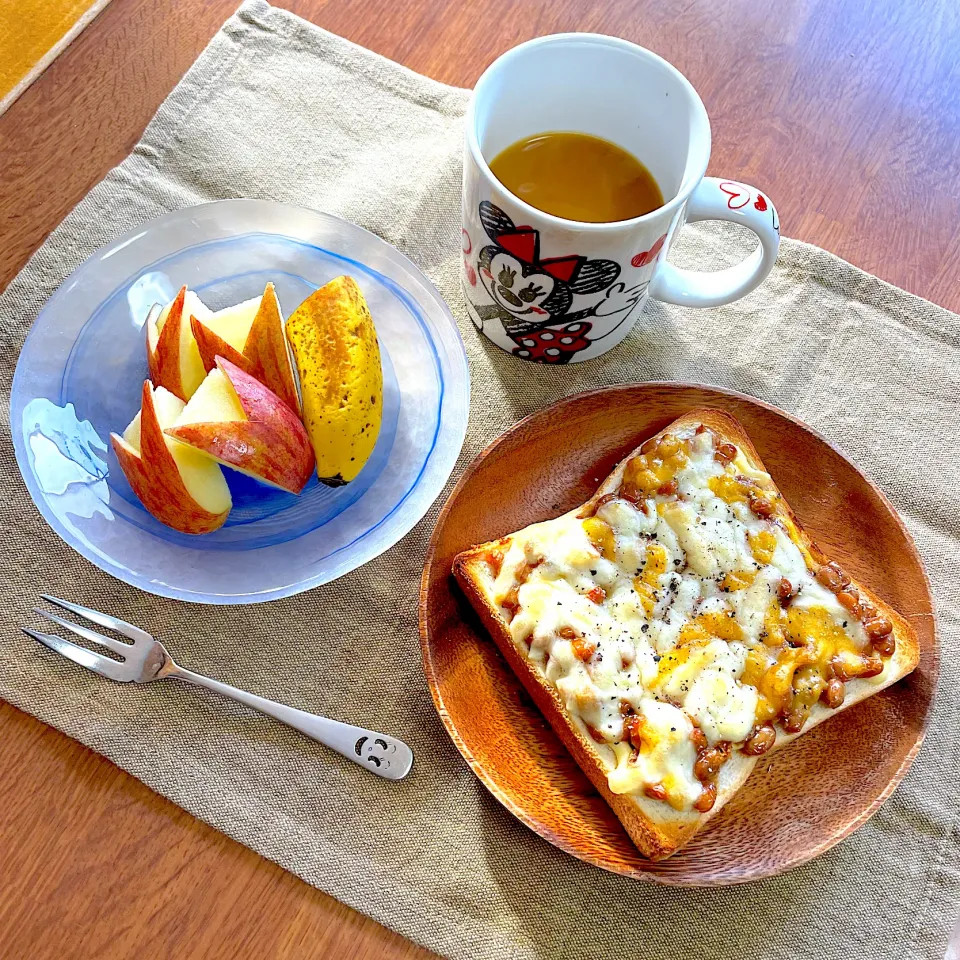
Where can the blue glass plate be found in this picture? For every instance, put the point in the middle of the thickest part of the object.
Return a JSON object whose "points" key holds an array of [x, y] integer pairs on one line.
{"points": [[81, 369]]}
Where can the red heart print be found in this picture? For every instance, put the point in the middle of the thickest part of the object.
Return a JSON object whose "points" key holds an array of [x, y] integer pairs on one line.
{"points": [[648, 256], [760, 203], [738, 198]]}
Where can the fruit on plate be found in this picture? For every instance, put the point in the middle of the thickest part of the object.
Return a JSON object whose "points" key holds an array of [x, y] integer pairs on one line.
{"points": [[338, 358], [180, 486], [172, 354], [243, 424], [250, 335]]}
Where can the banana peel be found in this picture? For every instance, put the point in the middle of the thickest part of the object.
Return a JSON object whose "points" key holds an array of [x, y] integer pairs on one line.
{"points": [[335, 347]]}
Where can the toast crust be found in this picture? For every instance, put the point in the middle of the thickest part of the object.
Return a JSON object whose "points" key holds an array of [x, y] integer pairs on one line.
{"points": [[657, 829]]}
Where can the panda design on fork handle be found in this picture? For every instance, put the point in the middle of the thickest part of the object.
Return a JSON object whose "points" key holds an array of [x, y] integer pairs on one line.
{"points": [[530, 294]]}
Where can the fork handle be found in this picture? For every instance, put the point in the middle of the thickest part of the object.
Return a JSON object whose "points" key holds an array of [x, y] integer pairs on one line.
{"points": [[380, 754]]}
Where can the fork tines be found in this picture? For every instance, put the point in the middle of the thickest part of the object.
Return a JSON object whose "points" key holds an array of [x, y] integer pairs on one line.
{"points": [[114, 669], [117, 646], [101, 619]]}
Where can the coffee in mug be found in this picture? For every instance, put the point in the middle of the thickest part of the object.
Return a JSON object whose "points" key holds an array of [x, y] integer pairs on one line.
{"points": [[577, 176]]}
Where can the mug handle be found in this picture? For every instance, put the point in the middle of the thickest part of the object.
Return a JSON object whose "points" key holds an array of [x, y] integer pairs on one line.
{"points": [[716, 199]]}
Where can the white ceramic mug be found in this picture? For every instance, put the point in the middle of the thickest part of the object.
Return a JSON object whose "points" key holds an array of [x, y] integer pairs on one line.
{"points": [[573, 290]]}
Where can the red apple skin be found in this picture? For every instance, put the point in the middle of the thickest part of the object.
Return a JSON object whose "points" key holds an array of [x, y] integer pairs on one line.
{"points": [[264, 354], [258, 448], [212, 345], [266, 348], [164, 362], [156, 480], [272, 444]]}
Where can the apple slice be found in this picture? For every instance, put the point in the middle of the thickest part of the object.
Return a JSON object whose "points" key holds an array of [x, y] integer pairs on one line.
{"points": [[250, 335], [242, 424], [180, 486], [172, 353], [224, 334]]}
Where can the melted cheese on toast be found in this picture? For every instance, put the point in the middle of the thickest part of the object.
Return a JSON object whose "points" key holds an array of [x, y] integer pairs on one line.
{"points": [[681, 616]]}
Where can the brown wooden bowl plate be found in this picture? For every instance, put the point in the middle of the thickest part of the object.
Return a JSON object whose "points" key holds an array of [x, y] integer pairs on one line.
{"points": [[831, 780]]}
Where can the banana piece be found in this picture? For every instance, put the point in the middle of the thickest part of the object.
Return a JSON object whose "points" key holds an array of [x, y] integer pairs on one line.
{"points": [[341, 380]]}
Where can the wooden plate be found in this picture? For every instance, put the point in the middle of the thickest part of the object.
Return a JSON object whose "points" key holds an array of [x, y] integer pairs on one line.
{"points": [[799, 802]]}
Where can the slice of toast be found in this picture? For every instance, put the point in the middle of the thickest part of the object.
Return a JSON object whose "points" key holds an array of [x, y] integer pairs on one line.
{"points": [[679, 625]]}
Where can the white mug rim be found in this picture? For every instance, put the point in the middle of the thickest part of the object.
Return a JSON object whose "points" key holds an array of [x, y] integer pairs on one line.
{"points": [[687, 185]]}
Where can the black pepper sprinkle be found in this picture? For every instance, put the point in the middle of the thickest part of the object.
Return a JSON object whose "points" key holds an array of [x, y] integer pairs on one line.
{"points": [[656, 658], [673, 729], [645, 628], [844, 623]]}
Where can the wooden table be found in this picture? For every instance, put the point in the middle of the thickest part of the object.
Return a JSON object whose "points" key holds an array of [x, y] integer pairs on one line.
{"points": [[846, 111]]}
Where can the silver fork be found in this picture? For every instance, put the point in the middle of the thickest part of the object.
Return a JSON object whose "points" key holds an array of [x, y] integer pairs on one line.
{"points": [[146, 659]]}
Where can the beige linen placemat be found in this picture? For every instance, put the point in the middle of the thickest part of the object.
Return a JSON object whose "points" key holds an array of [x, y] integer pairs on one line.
{"points": [[279, 109]]}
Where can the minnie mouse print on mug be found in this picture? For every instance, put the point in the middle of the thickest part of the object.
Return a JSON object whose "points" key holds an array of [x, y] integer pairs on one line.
{"points": [[584, 156]]}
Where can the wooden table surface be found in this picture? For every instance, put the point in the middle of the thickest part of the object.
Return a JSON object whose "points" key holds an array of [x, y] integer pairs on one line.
{"points": [[847, 112]]}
